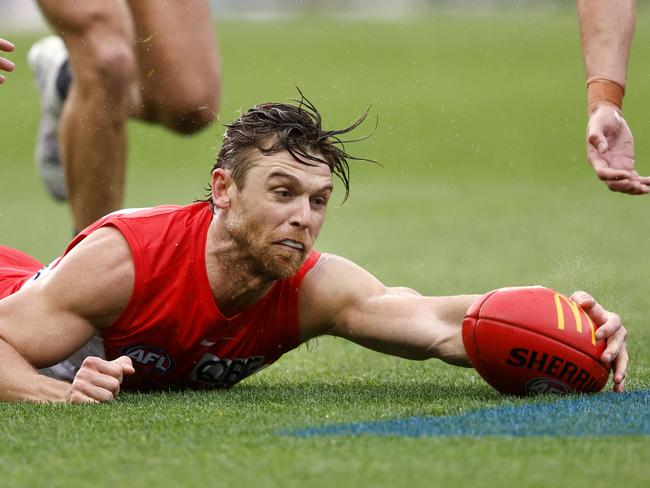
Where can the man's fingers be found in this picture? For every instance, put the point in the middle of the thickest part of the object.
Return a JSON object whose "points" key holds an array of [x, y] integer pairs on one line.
{"points": [[108, 383], [88, 387], [6, 65], [598, 141], [615, 344], [620, 367], [584, 299], [102, 366], [99, 380], [635, 185], [607, 323], [610, 328], [126, 364], [619, 387], [6, 45], [631, 187], [644, 180], [97, 393], [78, 397], [605, 173]]}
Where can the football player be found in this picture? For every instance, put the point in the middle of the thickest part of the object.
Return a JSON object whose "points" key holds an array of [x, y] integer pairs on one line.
{"points": [[206, 294]]}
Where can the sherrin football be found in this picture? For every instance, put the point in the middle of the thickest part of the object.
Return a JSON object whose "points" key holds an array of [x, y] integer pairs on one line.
{"points": [[528, 340]]}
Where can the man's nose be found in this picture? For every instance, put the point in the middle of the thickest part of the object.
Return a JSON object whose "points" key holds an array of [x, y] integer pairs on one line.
{"points": [[302, 213]]}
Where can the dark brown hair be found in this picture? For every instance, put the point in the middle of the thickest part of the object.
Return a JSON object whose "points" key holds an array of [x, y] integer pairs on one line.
{"points": [[274, 127]]}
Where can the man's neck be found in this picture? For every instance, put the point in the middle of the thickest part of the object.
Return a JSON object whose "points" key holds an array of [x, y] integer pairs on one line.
{"points": [[234, 283]]}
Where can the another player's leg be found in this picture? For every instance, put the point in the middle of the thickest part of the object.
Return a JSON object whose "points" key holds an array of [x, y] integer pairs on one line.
{"points": [[48, 59], [99, 37], [178, 63]]}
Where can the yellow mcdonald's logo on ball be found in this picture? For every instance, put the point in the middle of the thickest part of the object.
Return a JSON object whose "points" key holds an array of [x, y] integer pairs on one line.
{"points": [[575, 309]]}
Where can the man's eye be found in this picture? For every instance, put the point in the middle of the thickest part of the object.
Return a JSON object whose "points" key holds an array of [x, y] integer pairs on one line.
{"points": [[283, 193]]}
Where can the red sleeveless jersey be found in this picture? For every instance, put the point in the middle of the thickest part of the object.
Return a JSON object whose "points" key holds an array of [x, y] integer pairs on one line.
{"points": [[172, 327]]}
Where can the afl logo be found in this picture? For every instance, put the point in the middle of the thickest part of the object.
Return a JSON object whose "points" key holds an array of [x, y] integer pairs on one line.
{"points": [[547, 385], [149, 356]]}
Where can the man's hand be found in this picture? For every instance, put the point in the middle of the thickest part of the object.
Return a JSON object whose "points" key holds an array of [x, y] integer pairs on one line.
{"points": [[98, 380], [610, 328], [5, 64], [610, 151]]}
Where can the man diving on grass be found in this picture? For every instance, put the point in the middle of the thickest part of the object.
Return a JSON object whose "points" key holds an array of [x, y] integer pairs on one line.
{"points": [[206, 294]]}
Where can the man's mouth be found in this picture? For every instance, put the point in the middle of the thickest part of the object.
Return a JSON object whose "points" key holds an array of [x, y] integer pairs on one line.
{"points": [[299, 246]]}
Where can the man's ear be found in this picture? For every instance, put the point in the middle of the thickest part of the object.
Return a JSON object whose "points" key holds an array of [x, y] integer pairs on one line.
{"points": [[221, 183]]}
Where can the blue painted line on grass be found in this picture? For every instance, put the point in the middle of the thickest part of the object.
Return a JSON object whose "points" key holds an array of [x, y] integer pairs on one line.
{"points": [[608, 414]]}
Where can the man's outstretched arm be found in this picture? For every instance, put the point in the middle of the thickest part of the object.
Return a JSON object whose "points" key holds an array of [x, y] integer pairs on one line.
{"points": [[346, 301], [342, 299], [49, 320], [606, 28]]}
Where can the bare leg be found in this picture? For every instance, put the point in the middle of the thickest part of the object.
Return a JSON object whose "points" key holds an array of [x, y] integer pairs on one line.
{"points": [[178, 63], [99, 37], [169, 74]]}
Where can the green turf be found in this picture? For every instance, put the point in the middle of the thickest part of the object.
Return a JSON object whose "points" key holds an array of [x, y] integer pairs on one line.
{"points": [[483, 184]]}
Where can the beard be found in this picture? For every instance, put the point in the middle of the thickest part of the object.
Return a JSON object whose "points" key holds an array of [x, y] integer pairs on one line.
{"points": [[263, 256]]}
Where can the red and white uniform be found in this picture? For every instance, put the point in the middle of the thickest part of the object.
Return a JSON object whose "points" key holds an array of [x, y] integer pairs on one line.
{"points": [[172, 328]]}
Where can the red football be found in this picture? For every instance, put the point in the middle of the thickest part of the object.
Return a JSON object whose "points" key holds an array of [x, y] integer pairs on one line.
{"points": [[532, 339]]}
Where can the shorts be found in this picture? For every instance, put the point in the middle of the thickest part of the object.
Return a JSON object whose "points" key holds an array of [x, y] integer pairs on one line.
{"points": [[16, 267]]}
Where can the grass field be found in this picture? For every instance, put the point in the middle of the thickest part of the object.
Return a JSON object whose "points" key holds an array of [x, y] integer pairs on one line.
{"points": [[483, 184]]}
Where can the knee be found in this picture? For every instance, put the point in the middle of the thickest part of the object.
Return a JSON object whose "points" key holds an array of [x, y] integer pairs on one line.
{"points": [[185, 106], [192, 120], [108, 71], [191, 115], [114, 68]]}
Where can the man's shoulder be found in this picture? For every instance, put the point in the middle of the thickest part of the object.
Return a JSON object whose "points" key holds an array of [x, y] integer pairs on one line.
{"points": [[334, 281], [332, 269], [107, 244], [96, 275], [333, 286]]}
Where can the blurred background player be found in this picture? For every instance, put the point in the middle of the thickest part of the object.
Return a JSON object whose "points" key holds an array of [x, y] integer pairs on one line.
{"points": [[114, 60], [606, 28], [5, 64]]}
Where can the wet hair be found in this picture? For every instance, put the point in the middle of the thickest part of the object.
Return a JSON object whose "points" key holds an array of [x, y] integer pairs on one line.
{"points": [[274, 127]]}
